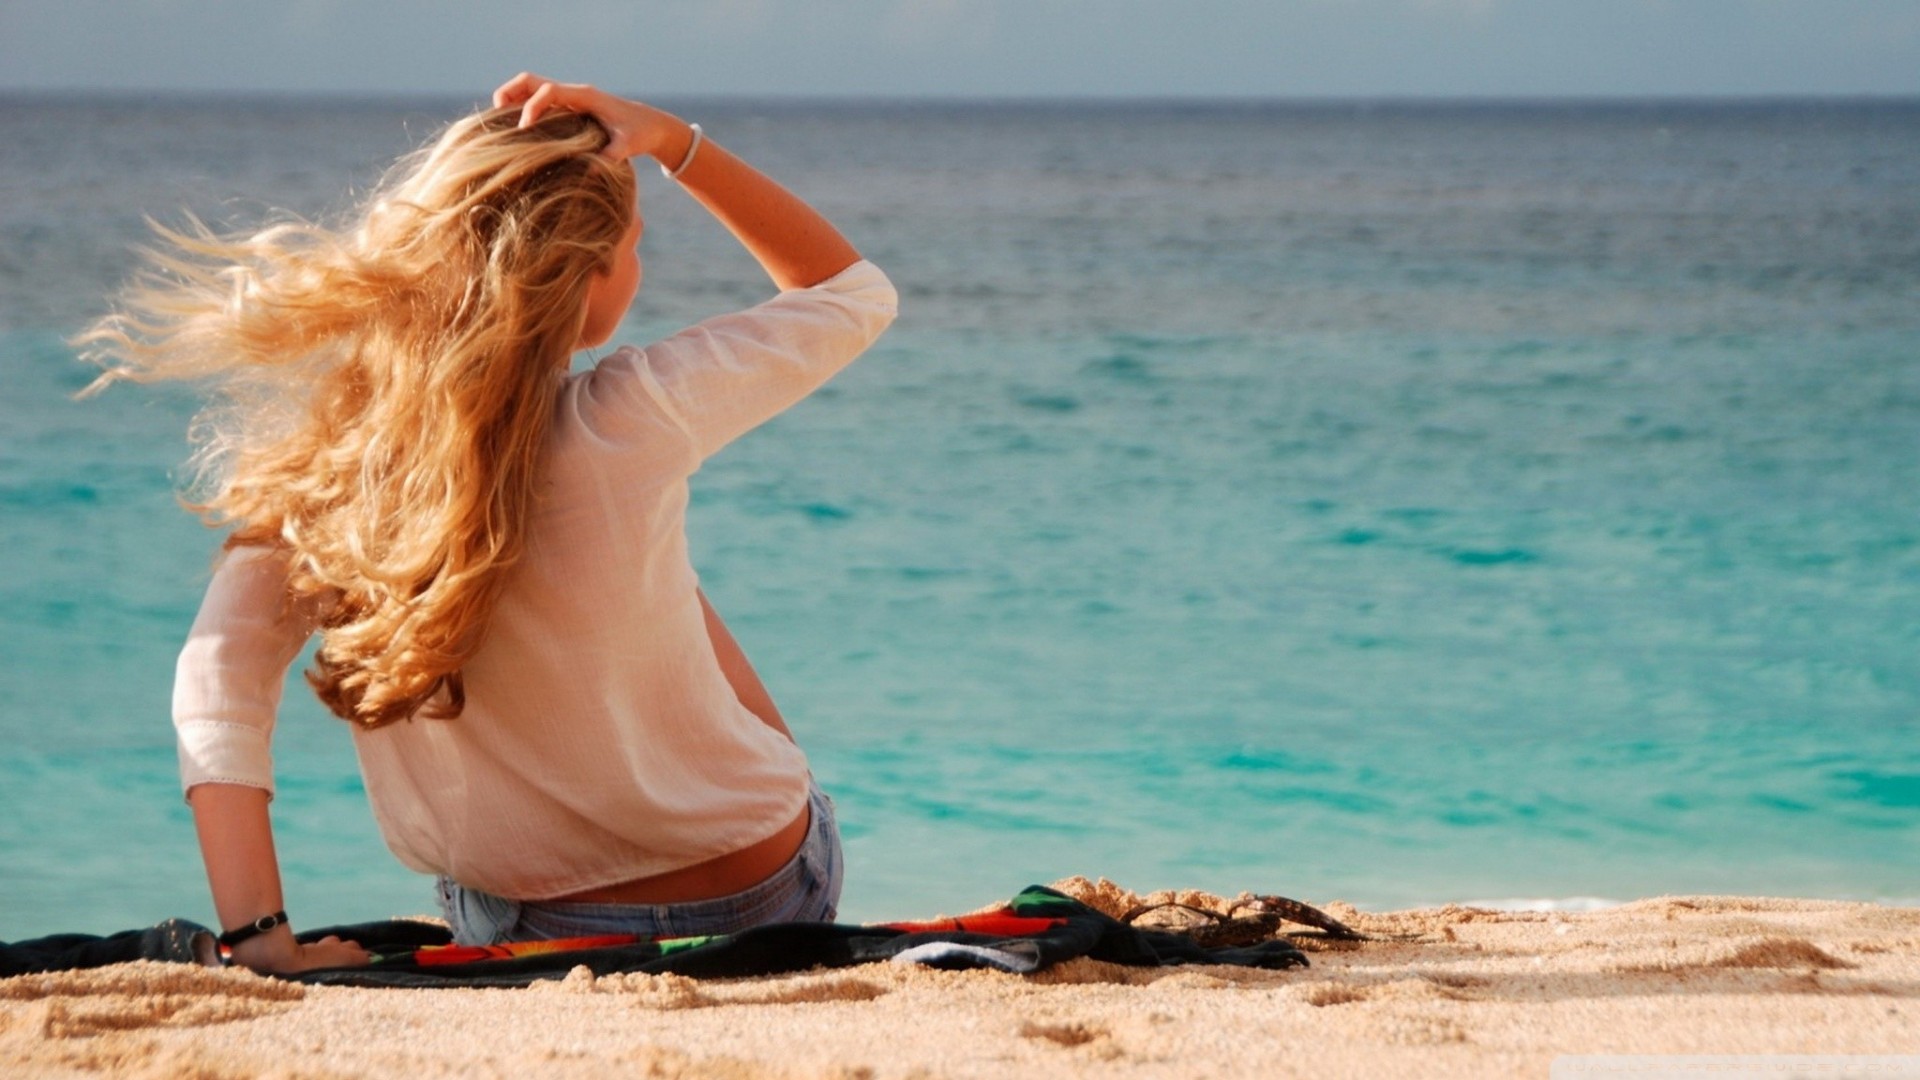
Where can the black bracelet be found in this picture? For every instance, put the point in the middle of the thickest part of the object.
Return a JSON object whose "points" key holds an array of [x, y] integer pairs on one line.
{"points": [[253, 929]]}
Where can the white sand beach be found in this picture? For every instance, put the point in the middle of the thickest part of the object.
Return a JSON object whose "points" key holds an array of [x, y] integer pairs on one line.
{"points": [[1442, 992]]}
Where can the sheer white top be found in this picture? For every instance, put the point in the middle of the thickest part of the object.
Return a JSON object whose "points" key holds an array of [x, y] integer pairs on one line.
{"points": [[600, 740]]}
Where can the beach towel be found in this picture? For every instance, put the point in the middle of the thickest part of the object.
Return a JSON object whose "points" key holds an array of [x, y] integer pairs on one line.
{"points": [[1036, 929]]}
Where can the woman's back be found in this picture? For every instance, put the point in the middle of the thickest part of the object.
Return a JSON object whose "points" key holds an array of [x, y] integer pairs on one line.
{"points": [[600, 741]]}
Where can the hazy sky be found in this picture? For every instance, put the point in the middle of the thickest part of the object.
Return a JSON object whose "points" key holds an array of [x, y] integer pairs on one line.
{"points": [[895, 48]]}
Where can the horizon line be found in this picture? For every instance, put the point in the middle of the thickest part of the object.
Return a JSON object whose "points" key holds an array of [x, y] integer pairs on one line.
{"points": [[187, 94]]}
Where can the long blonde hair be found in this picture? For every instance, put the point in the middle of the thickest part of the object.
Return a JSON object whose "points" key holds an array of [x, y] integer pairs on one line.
{"points": [[384, 390]]}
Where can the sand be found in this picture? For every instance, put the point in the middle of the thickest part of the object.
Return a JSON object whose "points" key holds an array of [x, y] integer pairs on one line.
{"points": [[1441, 992]]}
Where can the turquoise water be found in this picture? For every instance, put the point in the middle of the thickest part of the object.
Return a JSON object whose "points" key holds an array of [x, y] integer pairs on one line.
{"points": [[1391, 503]]}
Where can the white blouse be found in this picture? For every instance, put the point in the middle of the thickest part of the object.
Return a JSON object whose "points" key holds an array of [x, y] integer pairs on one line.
{"points": [[600, 740]]}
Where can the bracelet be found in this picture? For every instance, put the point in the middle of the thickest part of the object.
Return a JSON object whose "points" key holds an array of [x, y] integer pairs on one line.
{"points": [[253, 929], [692, 149]]}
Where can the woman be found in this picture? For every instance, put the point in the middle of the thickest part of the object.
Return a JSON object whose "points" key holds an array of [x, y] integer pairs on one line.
{"points": [[549, 716]]}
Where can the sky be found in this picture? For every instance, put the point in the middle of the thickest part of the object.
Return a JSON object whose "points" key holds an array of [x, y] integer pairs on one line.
{"points": [[974, 48]]}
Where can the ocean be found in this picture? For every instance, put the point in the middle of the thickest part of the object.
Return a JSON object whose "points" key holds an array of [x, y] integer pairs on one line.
{"points": [[1393, 502]]}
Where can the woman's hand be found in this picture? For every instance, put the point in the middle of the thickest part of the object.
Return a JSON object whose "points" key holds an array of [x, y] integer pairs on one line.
{"points": [[637, 129], [277, 953], [236, 840], [790, 239]]}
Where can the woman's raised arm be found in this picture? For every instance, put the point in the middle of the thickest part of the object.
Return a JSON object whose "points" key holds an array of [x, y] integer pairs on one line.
{"points": [[796, 245]]}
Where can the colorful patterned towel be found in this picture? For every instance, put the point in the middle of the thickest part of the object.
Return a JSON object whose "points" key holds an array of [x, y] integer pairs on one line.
{"points": [[993, 924], [1035, 929]]}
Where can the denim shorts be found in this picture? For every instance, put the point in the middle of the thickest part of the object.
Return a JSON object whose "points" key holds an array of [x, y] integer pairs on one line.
{"points": [[806, 889]]}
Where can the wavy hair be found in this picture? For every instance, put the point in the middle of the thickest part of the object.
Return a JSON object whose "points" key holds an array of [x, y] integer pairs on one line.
{"points": [[383, 390]]}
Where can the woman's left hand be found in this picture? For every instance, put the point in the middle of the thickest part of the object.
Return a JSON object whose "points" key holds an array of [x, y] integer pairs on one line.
{"points": [[636, 128]]}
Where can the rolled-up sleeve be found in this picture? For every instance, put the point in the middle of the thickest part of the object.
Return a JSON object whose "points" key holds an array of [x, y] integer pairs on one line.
{"points": [[227, 684], [720, 378]]}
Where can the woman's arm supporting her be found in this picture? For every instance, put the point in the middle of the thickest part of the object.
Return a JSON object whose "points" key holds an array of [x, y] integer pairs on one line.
{"points": [[740, 674], [236, 842], [796, 245], [226, 695]]}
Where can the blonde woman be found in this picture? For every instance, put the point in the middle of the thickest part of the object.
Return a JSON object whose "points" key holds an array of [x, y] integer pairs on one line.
{"points": [[549, 717]]}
